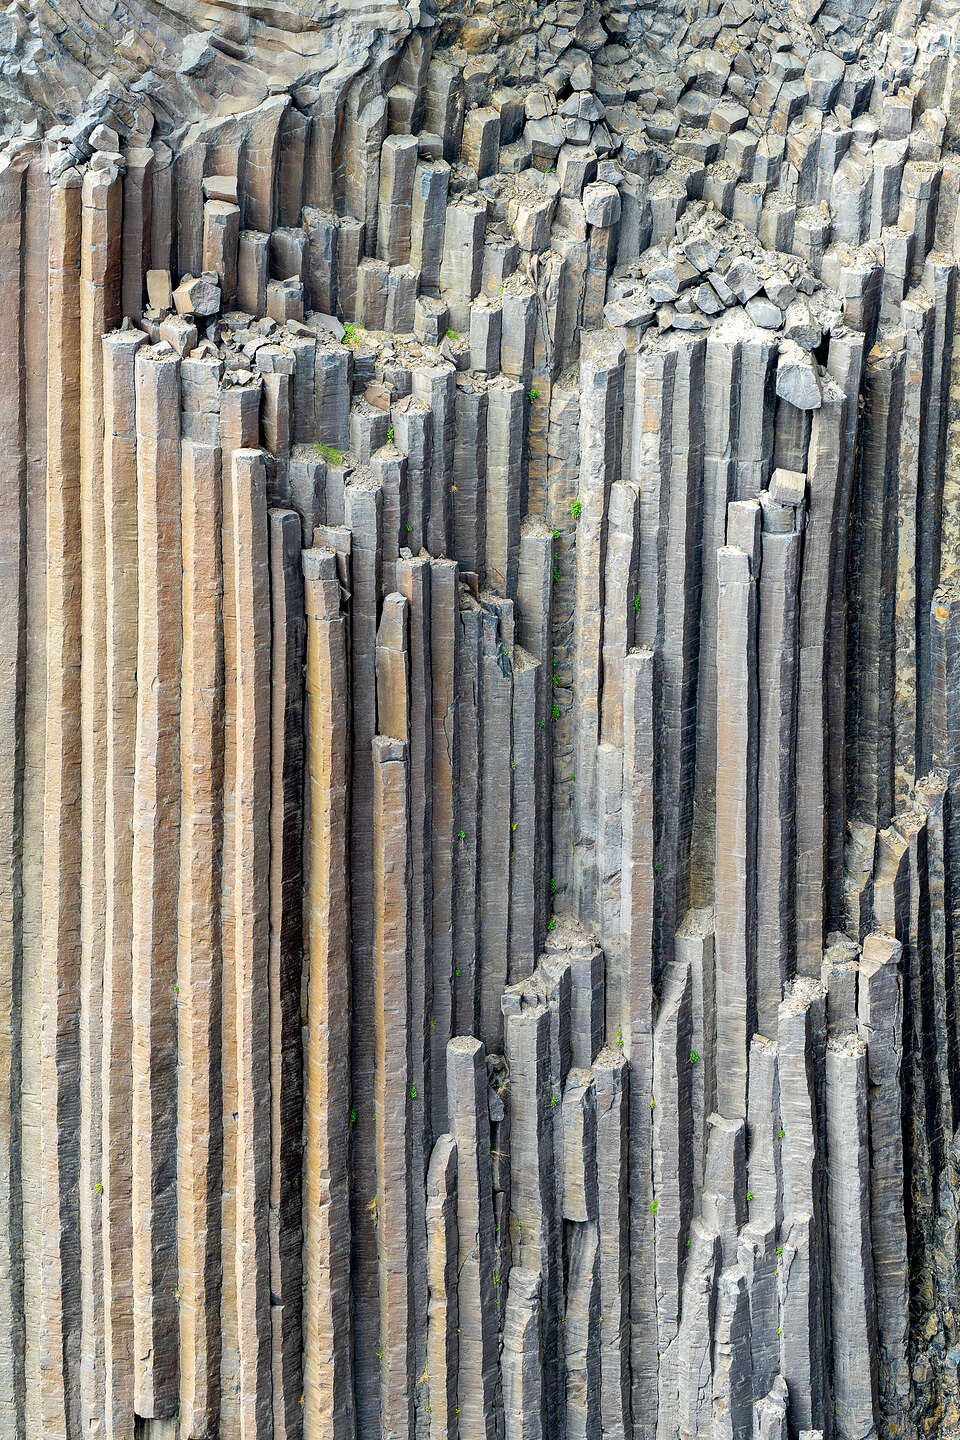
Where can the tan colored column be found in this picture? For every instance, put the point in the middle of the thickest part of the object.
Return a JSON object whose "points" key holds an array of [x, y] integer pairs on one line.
{"points": [[200, 1142], [60, 973], [393, 1090], [156, 827], [137, 225], [120, 617], [13, 569], [286, 927], [251, 945], [100, 272], [34, 288], [239, 429], [328, 1369]]}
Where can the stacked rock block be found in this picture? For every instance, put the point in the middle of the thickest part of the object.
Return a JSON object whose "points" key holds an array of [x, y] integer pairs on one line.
{"points": [[482, 749]]}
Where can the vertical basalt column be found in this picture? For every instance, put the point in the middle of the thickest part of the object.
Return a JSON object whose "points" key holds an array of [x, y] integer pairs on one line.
{"points": [[504, 487], [940, 281], [620, 602], [631, 1029], [414, 578], [853, 1312], [493, 880], [563, 474], [680, 657], [443, 1255], [156, 838], [328, 1358], [221, 246], [736, 826], [672, 1120], [845, 361], [363, 518], [917, 315], [611, 1074], [601, 402], [398, 163], [60, 960], [13, 615], [199, 950], [582, 1317], [137, 226], [365, 126], [466, 813], [100, 282], [757, 1242], [694, 947], [436, 386], [479, 1395], [34, 289], [239, 430], [879, 1022], [945, 726], [462, 264], [534, 632], [443, 676], [824, 463], [393, 1087], [535, 1222], [873, 578], [777, 682], [252, 255], [801, 1029], [525, 831], [121, 626], [287, 654], [470, 477], [251, 918], [520, 1357], [941, 1059], [428, 221]]}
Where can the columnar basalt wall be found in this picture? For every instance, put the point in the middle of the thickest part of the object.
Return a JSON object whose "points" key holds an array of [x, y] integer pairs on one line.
{"points": [[480, 724]]}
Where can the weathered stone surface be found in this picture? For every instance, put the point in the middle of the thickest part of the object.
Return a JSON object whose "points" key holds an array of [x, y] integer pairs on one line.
{"points": [[479, 840]]}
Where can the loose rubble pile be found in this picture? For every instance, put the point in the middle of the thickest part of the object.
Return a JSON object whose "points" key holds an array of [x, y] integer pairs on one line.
{"points": [[481, 726]]}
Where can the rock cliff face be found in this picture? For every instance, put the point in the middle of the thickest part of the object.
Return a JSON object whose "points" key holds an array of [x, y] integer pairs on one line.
{"points": [[479, 721]]}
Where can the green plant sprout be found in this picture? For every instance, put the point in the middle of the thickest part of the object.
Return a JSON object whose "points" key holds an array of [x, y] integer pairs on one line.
{"points": [[556, 712], [99, 1188], [390, 434], [576, 509], [555, 1102], [353, 1117], [332, 456], [553, 886], [749, 1194], [694, 1058], [636, 601], [552, 925], [452, 335], [654, 1206], [349, 336], [413, 1092], [534, 394]]}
